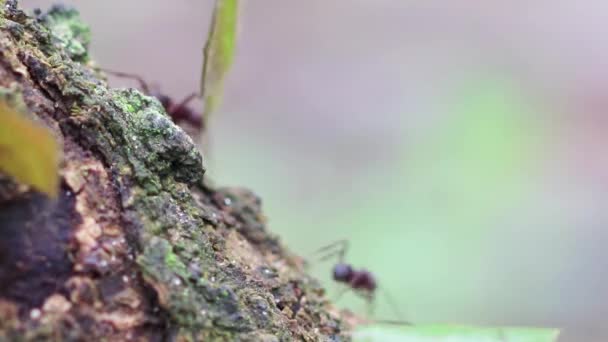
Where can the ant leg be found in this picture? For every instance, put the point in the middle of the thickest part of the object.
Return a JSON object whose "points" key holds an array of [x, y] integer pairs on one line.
{"points": [[183, 103], [369, 297], [338, 248], [389, 300], [180, 112], [142, 84], [370, 303], [342, 291]]}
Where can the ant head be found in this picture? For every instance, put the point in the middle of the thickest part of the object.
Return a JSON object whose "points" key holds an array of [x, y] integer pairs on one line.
{"points": [[342, 272], [164, 99]]}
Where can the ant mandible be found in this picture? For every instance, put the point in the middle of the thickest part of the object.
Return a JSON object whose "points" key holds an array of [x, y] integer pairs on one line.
{"points": [[179, 112], [362, 281]]}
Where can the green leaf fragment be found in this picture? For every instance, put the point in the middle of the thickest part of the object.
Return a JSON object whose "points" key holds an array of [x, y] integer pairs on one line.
{"points": [[452, 333], [219, 53], [29, 153]]}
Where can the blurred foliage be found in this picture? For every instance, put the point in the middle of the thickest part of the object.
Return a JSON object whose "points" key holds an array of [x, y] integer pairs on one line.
{"points": [[478, 158], [219, 53], [451, 333], [431, 221], [435, 212], [28, 152]]}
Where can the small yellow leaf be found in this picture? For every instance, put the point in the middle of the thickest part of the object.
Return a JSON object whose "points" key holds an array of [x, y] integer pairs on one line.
{"points": [[219, 53], [28, 152]]}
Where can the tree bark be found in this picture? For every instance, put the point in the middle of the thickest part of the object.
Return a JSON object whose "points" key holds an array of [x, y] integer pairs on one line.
{"points": [[139, 245]]}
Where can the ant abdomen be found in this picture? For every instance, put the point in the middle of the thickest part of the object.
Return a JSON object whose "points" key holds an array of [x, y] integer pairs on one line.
{"points": [[363, 280]]}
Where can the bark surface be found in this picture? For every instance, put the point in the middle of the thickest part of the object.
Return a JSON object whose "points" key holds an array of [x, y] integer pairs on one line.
{"points": [[139, 245]]}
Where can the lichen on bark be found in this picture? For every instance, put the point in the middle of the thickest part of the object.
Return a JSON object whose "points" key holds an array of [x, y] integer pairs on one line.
{"points": [[139, 246]]}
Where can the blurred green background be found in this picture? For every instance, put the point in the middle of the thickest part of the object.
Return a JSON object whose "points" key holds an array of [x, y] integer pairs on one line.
{"points": [[459, 147]]}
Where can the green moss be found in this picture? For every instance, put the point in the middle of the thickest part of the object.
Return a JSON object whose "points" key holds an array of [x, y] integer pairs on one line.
{"points": [[70, 32], [157, 171], [175, 264], [129, 100]]}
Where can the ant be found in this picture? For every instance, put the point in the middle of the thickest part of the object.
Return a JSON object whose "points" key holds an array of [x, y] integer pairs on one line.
{"points": [[361, 281], [179, 112]]}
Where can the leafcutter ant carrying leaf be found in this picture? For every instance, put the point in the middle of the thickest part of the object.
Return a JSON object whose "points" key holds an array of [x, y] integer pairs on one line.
{"points": [[178, 111]]}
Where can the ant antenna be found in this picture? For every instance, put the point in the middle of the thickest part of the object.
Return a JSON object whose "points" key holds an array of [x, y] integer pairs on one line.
{"points": [[142, 84], [338, 248]]}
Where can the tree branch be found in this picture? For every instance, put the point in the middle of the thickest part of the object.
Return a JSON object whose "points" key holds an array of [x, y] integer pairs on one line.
{"points": [[139, 246]]}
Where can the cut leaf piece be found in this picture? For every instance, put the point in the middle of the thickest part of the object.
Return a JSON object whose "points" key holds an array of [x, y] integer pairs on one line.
{"points": [[451, 333], [28, 152], [219, 53]]}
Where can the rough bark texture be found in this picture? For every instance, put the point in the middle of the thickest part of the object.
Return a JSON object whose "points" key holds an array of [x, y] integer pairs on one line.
{"points": [[138, 246]]}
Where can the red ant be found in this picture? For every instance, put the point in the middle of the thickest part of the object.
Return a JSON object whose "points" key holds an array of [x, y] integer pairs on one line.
{"points": [[179, 112], [361, 281]]}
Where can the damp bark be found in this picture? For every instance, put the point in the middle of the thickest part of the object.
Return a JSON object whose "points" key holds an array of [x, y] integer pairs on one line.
{"points": [[139, 245]]}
